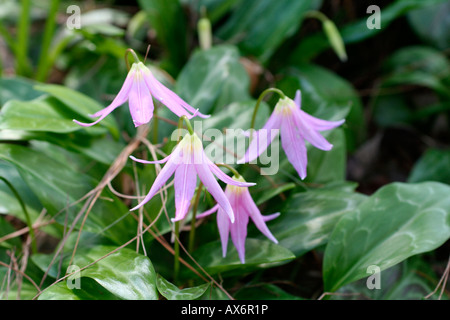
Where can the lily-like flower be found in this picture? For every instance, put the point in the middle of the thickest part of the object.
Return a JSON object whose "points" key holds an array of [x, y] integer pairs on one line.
{"points": [[243, 207], [139, 88], [188, 160], [295, 126]]}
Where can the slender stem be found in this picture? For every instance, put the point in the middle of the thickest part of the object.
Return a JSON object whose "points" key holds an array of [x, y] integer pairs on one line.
{"points": [[187, 122], [25, 212], [155, 126], [23, 30], [316, 14], [233, 170], [258, 102], [191, 243], [135, 57], [176, 263], [44, 57]]}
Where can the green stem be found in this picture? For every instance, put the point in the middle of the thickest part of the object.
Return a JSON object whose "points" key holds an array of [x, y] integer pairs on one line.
{"points": [[258, 102], [176, 248], [25, 212], [191, 243], [155, 126], [317, 15], [135, 57], [187, 122], [23, 30], [44, 57]]}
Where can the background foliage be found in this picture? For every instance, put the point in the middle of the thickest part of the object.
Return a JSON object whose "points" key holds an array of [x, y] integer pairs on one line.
{"points": [[379, 197]]}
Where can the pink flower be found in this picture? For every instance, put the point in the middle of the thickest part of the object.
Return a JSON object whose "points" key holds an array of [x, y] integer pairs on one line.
{"points": [[188, 160], [139, 88], [243, 207], [295, 126]]}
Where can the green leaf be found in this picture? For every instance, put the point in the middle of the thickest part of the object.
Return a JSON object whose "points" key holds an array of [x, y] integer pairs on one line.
{"points": [[79, 103], [398, 221], [259, 254], [413, 279], [172, 292], [307, 218], [58, 186], [17, 88], [124, 273], [41, 114], [432, 166], [261, 26], [432, 24], [213, 79]]}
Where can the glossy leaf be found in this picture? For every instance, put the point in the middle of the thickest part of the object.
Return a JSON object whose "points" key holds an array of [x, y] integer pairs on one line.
{"points": [[172, 292], [396, 222], [261, 26], [432, 166], [213, 79], [124, 273], [307, 219], [259, 254]]}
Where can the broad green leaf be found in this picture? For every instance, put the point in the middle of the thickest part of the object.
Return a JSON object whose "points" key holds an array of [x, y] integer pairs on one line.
{"points": [[413, 279], [125, 273], [58, 186], [42, 114], [432, 166], [432, 24], [398, 221], [79, 103], [8, 203], [259, 254], [307, 218], [260, 27], [213, 78], [89, 290], [17, 88], [172, 292]]}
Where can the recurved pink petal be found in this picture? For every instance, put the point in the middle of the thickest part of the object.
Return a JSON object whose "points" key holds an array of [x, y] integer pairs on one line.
{"points": [[213, 187], [185, 182], [294, 146], [308, 131], [150, 162], [238, 229], [225, 178], [120, 99], [164, 175], [169, 98], [140, 101], [319, 124], [223, 224], [262, 138], [253, 211], [208, 212]]}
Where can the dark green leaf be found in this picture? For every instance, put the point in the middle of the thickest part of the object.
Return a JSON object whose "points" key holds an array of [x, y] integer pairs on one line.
{"points": [[432, 166], [308, 218], [398, 221]]}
